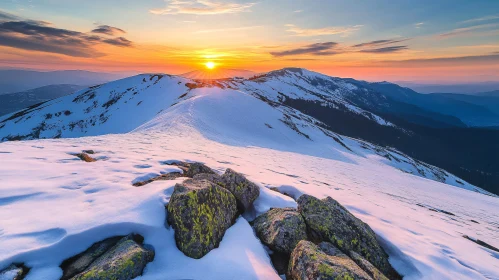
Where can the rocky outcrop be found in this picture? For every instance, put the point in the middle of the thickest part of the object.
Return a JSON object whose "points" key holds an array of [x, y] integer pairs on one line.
{"points": [[245, 191], [200, 212], [310, 262], [280, 229], [113, 258], [14, 272], [327, 220]]}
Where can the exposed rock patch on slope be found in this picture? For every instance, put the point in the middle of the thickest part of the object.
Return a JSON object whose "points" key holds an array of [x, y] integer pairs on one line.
{"points": [[329, 221], [200, 211]]}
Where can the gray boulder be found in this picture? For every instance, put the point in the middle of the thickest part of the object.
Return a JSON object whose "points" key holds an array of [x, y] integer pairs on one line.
{"points": [[200, 212], [244, 190], [327, 220], [125, 260], [310, 262], [212, 177], [280, 229]]}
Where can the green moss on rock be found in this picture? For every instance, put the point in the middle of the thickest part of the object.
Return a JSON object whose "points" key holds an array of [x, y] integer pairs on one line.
{"points": [[245, 191], [200, 212], [327, 220], [280, 229], [124, 261], [326, 262]]}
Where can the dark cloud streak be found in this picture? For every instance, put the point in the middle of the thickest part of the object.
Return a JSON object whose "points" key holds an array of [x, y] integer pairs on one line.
{"points": [[41, 36], [319, 49], [391, 49], [108, 30], [6, 16], [378, 43], [120, 42]]}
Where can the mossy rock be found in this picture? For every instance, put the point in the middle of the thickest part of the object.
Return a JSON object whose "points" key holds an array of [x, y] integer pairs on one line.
{"points": [[245, 191], [325, 262], [125, 260], [281, 229], [14, 272], [367, 266], [80, 262], [327, 220], [200, 212], [212, 177]]}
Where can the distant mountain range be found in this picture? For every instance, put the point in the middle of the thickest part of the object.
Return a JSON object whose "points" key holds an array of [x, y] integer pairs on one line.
{"points": [[12, 81], [471, 110], [11, 102], [469, 88], [393, 118]]}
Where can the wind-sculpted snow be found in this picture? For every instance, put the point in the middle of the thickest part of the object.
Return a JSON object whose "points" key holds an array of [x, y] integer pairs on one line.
{"points": [[123, 105], [116, 107], [54, 205], [228, 111]]}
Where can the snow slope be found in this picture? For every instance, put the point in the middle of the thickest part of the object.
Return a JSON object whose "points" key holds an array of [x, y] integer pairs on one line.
{"points": [[53, 205], [146, 100]]}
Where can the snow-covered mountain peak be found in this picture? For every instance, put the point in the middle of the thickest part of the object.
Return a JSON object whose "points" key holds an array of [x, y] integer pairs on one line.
{"points": [[257, 112], [263, 127]]}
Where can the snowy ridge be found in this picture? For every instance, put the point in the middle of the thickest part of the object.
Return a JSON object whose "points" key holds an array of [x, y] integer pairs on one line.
{"points": [[420, 212], [307, 85], [227, 111]]}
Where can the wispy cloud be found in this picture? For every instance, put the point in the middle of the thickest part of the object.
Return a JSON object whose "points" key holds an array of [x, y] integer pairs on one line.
{"points": [[321, 49], [228, 29], [391, 49], [470, 30], [6, 16], [298, 11], [378, 43], [419, 24], [108, 30], [333, 30], [201, 7], [332, 48], [41, 36], [480, 19], [382, 46]]}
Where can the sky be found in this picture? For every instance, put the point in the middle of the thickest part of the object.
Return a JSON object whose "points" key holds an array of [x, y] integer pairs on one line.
{"points": [[431, 41]]}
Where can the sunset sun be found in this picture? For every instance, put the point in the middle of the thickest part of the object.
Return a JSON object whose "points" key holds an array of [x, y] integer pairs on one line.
{"points": [[210, 64]]}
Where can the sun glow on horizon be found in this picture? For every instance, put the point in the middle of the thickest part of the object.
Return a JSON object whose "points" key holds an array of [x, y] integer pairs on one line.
{"points": [[210, 64]]}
